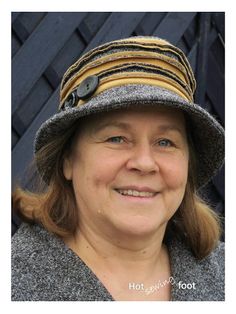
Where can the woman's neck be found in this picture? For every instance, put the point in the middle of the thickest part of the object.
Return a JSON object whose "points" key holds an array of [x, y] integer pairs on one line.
{"points": [[127, 256]]}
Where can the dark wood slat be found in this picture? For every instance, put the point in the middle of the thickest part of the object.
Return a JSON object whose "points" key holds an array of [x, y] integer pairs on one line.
{"points": [[192, 57], [20, 30], [182, 44], [218, 21], [18, 124], [149, 23], [91, 24], [31, 20], [218, 52], [33, 103], [14, 16], [203, 50], [118, 25], [67, 55], [15, 224], [52, 77], [23, 151], [190, 33], [193, 43], [174, 25], [14, 138], [15, 45], [215, 87], [85, 32], [219, 182], [39, 50]]}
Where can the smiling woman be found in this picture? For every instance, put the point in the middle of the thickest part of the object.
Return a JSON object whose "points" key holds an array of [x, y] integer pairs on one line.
{"points": [[123, 160]]}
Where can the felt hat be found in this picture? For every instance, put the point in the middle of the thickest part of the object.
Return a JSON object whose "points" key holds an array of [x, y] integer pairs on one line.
{"points": [[136, 71]]}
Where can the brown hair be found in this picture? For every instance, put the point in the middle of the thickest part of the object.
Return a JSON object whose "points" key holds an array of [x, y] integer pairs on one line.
{"points": [[55, 208]]}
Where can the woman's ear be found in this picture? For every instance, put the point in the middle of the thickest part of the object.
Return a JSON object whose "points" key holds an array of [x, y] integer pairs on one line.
{"points": [[67, 168]]}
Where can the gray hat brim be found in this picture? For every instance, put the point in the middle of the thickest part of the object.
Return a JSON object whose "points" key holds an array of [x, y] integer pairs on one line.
{"points": [[207, 133]]}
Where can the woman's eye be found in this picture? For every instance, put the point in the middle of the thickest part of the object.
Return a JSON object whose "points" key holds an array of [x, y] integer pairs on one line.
{"points": [[116, 139], [165, 143]]}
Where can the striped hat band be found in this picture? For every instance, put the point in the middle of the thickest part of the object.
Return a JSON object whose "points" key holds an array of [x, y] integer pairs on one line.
{"points": [[138, 60]]}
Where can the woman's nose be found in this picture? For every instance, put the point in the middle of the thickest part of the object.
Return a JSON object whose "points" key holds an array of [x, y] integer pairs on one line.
{"points": [[142, 159]]}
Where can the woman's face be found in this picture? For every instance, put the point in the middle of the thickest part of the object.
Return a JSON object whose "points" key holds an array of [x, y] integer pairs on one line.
{"points": [[129, 170]]}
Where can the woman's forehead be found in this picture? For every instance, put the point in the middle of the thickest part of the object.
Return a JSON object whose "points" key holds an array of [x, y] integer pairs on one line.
{"points": [[135, 115]]}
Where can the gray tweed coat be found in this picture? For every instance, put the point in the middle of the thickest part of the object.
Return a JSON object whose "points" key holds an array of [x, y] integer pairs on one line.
{"points": [[45, 269]]}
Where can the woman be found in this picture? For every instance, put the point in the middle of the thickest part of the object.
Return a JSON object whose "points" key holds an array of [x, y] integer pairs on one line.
{"points": [[123, 159]]}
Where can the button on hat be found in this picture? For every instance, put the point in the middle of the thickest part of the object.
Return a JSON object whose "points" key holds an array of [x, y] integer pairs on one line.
{"points": [[88, 87], [70, 101]]}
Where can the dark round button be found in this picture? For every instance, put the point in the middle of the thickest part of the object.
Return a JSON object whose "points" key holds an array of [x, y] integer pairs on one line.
{"points": [[87, 87], [71, 100]]}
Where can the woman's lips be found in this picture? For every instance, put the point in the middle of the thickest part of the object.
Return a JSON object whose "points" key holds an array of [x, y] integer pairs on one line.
{"points": [[135, 195]]}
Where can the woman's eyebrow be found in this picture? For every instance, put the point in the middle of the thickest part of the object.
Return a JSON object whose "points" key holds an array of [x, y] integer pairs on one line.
{"points": [[121, 125], [170, 127]]}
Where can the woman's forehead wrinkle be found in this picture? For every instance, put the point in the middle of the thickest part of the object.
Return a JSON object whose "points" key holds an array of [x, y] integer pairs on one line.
{"points": [[164, 127], [117, 124]]}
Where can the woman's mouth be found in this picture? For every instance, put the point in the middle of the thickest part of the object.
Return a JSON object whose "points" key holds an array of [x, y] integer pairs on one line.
{"points": [[136, 193]]}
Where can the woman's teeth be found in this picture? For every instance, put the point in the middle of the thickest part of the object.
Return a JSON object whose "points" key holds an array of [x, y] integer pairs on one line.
{"points": [[136, 193]]}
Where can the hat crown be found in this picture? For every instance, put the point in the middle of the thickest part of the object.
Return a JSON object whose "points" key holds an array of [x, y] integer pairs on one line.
{"points": [[141, 59]]}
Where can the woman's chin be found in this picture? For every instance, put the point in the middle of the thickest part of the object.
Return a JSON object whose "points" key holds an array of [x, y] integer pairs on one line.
{"points": [[139, 226]]}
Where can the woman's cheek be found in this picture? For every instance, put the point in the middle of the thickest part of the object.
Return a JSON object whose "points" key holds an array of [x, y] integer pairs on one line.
{"points": [[175, 172]]}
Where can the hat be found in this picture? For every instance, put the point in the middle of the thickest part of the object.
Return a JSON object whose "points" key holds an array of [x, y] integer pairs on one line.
{"points": [[144, 71]]}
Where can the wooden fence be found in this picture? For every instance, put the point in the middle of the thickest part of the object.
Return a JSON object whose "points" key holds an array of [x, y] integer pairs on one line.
{"points": [[45, 44]]}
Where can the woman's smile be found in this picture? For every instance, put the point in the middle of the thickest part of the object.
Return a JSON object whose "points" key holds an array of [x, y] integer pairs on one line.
{"points": [[137, 194]]}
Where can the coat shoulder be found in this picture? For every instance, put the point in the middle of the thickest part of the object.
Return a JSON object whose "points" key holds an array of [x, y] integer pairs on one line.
{"points": [[205, 278], [30, 247]]}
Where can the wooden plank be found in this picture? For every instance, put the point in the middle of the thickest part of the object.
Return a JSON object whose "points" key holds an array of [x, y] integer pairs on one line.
{"points": [[52, 77], [14, 138], [68, 55], [23, 151], [219, 208], [192, 57], [118, 25], [218, 52], [39, 50], [215, 87], [149, 23], [15, 45], [218, 21], [31, 20], [174, 25], [18, 124], [14, 16], [203, 50], [219, 182], [20, 31], [33, 103], [15, 224], [91, 24], [190, 33], [182, 44]]}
